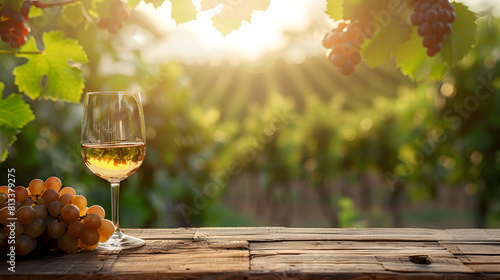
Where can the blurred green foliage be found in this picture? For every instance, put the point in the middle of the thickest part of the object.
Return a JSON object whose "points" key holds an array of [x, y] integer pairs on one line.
{"points": [[210, 127]]}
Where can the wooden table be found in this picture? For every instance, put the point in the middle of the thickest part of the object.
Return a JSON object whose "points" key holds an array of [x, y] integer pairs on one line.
{"points": [[279, 253]]}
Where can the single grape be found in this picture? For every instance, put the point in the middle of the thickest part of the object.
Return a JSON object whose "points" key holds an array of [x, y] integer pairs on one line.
{"points": [[347, 69], [24, 245], [424, 29], [40, 201], [80, 201], [429, 40], [67, 244], [53, 183], [49, 196], [446, 28], [437, 27], [28, 202], [70, 213], [415, 19], [17, 229], [83, 211], [327, 39], [86, 247], [34, 229], [55, 229], [48, 219], [431, 16], [55, 208], [66, 198], [67, 190], [433, 50], [355, 58], [5, 190], [36, 187], [21, 193], [3, 198], [106, 230], [4, 215], [338, 60], [76, 229], [25, 215], [92, 221], [90, 237], [97, 209], [40, 212], [444, 15]]}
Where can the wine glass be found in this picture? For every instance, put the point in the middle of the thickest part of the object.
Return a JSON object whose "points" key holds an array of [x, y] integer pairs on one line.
{"points": [[113, 147]]}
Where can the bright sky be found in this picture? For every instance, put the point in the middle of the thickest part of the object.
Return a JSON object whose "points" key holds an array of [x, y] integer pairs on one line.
{"points": [[198, 41]]}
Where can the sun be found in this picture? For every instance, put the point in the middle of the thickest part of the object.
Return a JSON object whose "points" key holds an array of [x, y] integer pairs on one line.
{"points": [[264, 33]]}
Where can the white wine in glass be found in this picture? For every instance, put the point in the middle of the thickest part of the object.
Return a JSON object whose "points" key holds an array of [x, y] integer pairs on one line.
{"points": [[113, 147]]}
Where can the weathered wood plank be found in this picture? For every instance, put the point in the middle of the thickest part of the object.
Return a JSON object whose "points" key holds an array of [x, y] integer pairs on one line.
{"points": [[480, 259], [353, 253], [360, 234], [438, 264], [305, 268], [205, 261], [474, 234], [486, 268], [161, 233], [279, 233], [186, 246], [342, 245], [474, 248]]}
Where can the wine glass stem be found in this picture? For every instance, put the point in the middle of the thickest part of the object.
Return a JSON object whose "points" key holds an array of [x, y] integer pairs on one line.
{"points": [[115, 198]]}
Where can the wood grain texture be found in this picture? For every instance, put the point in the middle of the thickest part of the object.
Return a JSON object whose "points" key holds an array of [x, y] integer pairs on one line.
{"points": [[279, 253]]}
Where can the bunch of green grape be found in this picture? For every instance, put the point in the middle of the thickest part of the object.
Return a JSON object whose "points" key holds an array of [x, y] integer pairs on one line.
{"points": [[48, 216]]}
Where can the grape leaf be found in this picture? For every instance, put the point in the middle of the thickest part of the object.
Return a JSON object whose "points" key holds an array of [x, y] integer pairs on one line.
{"points": [[412, 60], [354, 9], [7, 138], [48, 74], [132, 4], [335, 9], [379, 48], [73, 14], [463, 35], [35, 12], [14, 113], [158, 3], [183, 11], [14, 4], [233, 12]]}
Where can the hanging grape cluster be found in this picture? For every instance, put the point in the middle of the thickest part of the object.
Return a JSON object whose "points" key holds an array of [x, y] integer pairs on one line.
{"points": [[343, 44], [119, 14], [49, 217], [434, 19], [14, 28]]}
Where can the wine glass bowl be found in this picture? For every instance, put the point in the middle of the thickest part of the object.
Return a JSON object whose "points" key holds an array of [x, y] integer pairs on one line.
{"points": [[113, 146]]}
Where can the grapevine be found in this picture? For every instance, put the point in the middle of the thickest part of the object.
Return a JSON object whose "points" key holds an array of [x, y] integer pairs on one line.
{"points": [[434, 19], [46, 215]]}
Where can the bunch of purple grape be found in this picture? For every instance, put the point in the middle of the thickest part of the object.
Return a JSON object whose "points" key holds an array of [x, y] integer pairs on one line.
{"points": [[434, 19], [119, 14], [343, 44], [14, 28]]}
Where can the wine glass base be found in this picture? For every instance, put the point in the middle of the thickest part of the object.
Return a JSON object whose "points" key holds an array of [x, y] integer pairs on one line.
{"points": [[120, 241]]}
